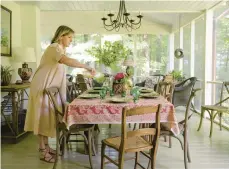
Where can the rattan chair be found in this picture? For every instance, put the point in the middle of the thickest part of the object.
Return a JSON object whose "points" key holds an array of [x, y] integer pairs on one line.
{"points": [[182, 92]]}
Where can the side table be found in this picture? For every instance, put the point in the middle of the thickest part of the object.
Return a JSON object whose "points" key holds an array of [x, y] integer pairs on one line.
{"points": [[12, 132]]}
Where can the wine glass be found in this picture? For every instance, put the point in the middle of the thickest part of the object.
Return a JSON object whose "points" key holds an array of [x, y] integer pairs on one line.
{"points": [[102, 93], [135, 93]]}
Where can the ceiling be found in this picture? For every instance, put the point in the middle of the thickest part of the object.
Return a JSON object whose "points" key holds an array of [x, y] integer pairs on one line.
{"points": [[158, 11], [169, 13], [147, 6]]}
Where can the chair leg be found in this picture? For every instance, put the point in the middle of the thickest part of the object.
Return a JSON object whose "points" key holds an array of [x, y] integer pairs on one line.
{"points": [[135, 125], [97, 128], [89, 148], [129, 125], [121, 161], [170, 142], [212, 121], [189, 157], [165, 138], [136, 160], [182, 146], [57, 147], [62, 144], [102, 155], [185, 150], [153, 155], [220, 120], [201, 118], [93, 143]]}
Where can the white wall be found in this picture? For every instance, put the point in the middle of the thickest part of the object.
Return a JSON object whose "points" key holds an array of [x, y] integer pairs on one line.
{"points": [[90, 22], [25, 33]]}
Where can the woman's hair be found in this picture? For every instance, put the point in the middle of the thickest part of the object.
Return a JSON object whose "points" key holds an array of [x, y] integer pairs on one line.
{"points": [[61, 31]]}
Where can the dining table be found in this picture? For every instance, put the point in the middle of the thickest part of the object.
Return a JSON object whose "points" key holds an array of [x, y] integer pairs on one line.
{"points": [[105, 111]]}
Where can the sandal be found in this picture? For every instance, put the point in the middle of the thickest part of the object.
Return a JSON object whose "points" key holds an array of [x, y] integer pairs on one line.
{"points": [[50, 150], [45, 156]]}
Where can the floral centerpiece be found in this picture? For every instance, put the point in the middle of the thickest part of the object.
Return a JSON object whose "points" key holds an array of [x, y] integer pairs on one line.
{"points": [[122, 83]]}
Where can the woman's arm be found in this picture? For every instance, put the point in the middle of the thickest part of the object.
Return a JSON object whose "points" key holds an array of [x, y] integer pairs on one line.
{"points": [[73, 63]]}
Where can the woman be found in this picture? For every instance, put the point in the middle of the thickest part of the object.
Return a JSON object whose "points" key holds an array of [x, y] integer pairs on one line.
{"points": [[40, 116]]}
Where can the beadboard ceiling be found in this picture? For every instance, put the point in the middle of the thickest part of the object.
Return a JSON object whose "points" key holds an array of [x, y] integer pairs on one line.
{"points": [[169, 13], [161, 6]]}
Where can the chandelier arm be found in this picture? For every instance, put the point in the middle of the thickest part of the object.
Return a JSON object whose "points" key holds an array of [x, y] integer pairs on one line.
{"points": [[107, 24], [139, 21], [128, 28], [108, 29], [128, 23], [136, 27]]}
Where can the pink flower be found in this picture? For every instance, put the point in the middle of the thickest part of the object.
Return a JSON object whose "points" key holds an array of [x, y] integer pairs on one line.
{"points": [[119, 76]]}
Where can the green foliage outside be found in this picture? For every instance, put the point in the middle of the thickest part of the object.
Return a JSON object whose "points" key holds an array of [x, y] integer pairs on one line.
{"points": [[110, 53], [222, 58]]}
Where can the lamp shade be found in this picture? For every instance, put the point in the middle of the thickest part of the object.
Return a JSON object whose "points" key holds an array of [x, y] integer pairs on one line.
{"points": [[24, 54], [128, 62]]}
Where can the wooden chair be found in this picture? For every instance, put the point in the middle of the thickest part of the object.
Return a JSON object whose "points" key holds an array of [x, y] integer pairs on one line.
{"points": [[217, 109], [166, 90], [183, 126], [59, 108], [81, 83], [134, 141]]}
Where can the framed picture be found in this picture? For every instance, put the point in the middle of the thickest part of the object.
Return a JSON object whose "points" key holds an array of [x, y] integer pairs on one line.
{"points": [[6, 31]]}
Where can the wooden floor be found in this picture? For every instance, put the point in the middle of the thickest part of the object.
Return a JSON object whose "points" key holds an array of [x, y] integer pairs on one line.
{"points": [[206, 153]]}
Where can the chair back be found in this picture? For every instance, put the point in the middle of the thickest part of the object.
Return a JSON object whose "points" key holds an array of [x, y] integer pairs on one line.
{"points": [[81, 83], [69, 77], [187, 111], [166, 90], [153, 132], [182, 92], [224, 95], [71, 91], [57, 101]]}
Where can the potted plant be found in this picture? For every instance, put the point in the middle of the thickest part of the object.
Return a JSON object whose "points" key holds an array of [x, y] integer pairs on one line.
{"points": [[177, 75], [6, 75], [110, 53]]}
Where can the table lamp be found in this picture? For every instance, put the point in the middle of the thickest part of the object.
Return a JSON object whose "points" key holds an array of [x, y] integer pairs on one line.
{"points": [[128, 62], [24, 54]]}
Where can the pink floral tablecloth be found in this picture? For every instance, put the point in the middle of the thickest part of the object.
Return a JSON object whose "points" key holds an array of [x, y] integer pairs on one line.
{"points": [[95, 111]]}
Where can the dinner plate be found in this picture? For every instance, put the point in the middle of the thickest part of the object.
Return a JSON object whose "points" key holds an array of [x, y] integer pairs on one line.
{"points": [[119, 100], [88, 96], [93, 91], [145, 90], [149, 95], [97, 88]]}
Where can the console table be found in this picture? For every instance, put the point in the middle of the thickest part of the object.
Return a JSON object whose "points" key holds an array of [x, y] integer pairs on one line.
{"points": [[12, 132]]}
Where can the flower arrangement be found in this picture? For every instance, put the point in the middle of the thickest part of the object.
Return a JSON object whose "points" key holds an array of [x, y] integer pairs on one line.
{"points": [[120, 78]]}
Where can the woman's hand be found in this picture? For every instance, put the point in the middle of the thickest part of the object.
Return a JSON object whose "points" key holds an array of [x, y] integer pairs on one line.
{"points": [[92, 71]]}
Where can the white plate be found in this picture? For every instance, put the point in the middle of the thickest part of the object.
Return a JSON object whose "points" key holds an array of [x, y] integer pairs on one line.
{"points": [[88, 96], [120, 100]]}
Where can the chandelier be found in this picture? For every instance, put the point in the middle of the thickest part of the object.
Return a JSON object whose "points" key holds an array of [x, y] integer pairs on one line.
{"points": [[122, 19]]}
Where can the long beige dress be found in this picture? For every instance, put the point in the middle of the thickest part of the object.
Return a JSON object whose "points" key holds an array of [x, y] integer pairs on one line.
{"points": [[40, 116]]}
